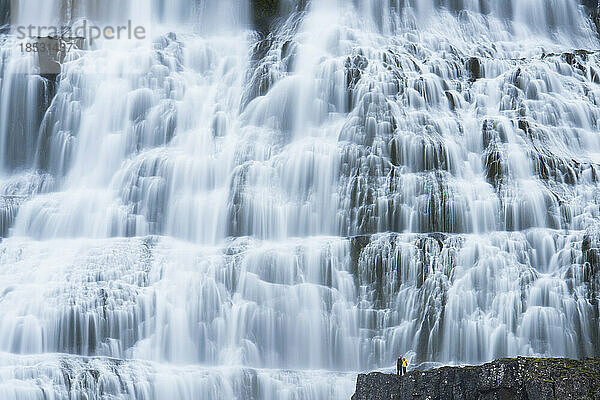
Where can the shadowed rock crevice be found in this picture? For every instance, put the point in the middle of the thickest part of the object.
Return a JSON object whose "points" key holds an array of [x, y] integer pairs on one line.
{"points": [[4, 15], [266, 13]]}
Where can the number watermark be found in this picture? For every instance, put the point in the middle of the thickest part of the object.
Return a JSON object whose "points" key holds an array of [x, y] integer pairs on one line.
{"points": [[59, 46]]}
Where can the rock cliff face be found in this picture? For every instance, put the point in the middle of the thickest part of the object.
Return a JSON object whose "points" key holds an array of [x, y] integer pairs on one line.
{"points": [[4, 15], [520, 378], [263, 13]]}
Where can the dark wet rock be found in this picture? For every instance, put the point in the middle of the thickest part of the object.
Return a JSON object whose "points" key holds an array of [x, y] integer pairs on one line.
{"points": [[267, 13], [494, 166], [4, 15], [494, 163], [576, 59], [355, 66], [261, 48], [264, 12], [273, 56], [475, 68], [494, 133], [552, 167], [453, 100], [358, 243], [520, 378], [593, 11], [524, 126], [261, 79], [596, 20], [590, 267], [590, 248], [376, 259], [9, 205]]}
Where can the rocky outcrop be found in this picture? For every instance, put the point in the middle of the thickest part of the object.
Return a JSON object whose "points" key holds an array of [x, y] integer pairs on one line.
{"points": [[591, 4], [4, 15], [520, 378], [267, 14], [264, 12], [594, 12]]}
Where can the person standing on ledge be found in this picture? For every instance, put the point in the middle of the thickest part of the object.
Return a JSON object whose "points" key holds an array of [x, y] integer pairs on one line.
{"points": [[404, 365], [399, 365]]}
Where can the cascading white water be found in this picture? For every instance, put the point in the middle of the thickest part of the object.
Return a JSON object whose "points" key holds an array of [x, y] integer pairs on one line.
{"points": [[213, 213]]}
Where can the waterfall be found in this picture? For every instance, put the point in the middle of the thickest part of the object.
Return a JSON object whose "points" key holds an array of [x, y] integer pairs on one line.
{"points": [[215, 211]]}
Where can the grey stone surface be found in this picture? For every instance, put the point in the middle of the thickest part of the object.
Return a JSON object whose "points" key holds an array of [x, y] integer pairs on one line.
{"points": [[520, 378]]}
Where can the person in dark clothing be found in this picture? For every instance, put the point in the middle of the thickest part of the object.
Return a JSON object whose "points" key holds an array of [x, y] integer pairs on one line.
{"points": [[399, 365]]}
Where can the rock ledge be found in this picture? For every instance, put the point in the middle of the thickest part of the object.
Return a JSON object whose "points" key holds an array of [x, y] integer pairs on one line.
{"points": [[518, 378]]}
